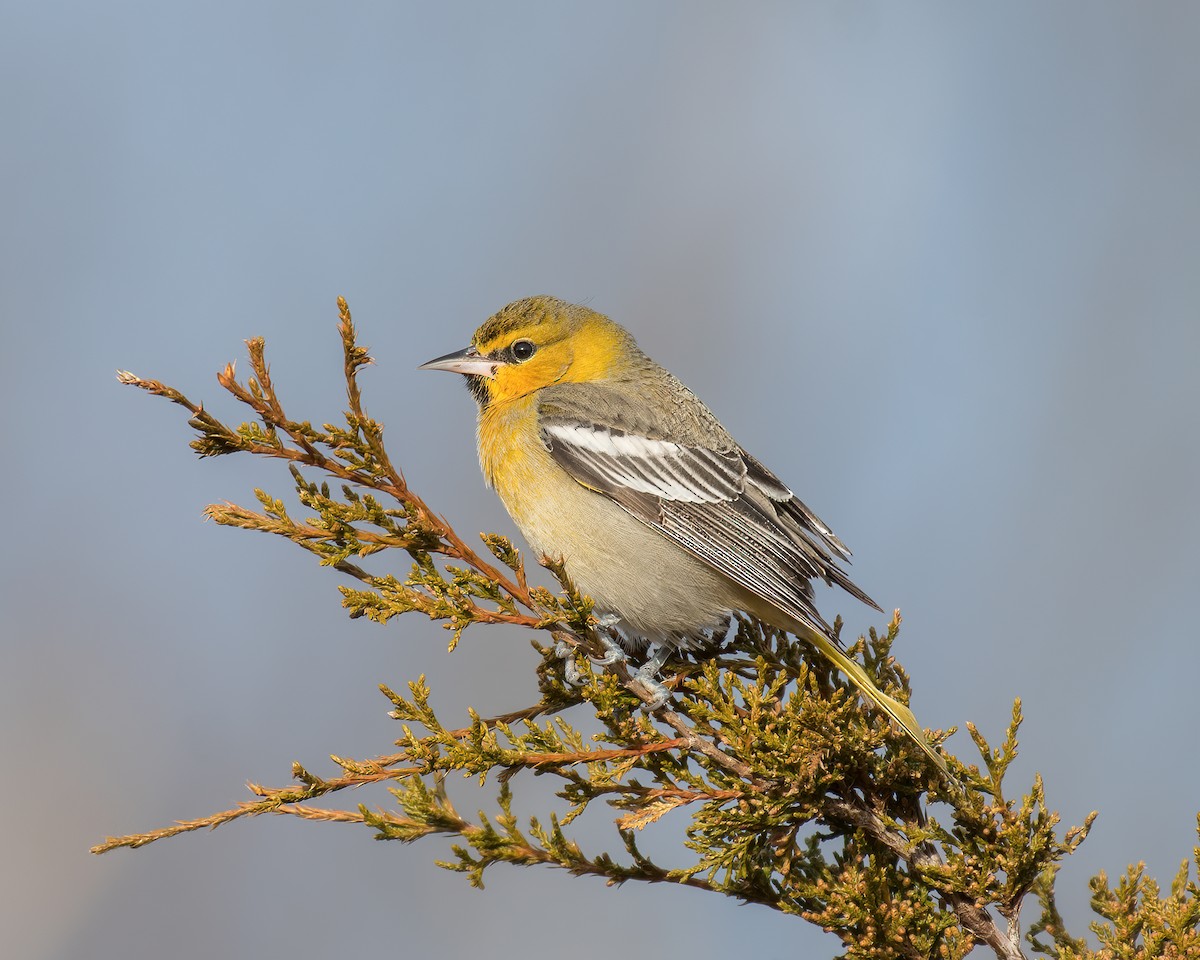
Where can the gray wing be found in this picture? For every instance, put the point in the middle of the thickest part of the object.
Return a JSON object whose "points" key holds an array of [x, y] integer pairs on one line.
{"points": [[722, 506]]}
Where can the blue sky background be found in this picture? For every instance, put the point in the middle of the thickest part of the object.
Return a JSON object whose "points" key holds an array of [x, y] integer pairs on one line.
{"points": [[937, 265]]}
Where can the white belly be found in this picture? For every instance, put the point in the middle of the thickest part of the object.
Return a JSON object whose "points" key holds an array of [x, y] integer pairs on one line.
{"points": [[659, 591]]}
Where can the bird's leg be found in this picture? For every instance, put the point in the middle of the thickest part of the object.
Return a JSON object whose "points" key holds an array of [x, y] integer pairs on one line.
{"points": [[647, 676], [613, 651], [564, 651]]}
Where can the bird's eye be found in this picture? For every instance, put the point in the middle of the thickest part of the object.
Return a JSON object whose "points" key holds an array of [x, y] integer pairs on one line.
{"points": [[523, 349]]}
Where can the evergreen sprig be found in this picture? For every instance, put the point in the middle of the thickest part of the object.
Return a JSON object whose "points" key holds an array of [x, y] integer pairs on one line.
{"points": [[798, 795]]}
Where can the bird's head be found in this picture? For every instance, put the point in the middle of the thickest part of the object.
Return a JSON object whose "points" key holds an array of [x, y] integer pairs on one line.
{"points": [[534, 343]]}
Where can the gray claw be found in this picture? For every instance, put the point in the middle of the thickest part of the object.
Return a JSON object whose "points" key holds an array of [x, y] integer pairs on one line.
{"points": [[613, 652], [564, 651], [659, 695], [571, 673], [647, 676]]}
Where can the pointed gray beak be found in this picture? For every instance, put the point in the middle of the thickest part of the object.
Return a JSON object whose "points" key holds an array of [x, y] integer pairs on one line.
{"points": [[469, 362]]}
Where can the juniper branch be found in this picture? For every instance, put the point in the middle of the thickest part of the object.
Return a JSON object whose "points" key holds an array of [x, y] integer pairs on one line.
{"points": [[800, 797]]}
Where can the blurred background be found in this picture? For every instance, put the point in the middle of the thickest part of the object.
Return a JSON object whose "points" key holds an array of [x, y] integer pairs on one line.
{"points": [[937, 265]]}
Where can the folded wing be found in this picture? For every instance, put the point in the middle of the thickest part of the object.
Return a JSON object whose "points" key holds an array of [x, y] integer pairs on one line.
{"points": [[722, 506]]}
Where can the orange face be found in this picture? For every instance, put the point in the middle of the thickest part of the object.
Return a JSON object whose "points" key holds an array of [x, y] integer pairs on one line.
{"points": [[534, 343]]}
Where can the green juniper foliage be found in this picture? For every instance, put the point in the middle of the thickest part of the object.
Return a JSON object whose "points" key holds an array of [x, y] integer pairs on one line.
{"points": [[797, 795]]}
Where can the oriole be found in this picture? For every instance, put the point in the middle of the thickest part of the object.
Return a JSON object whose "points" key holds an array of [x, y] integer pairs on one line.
{"points": [[605, 460]]}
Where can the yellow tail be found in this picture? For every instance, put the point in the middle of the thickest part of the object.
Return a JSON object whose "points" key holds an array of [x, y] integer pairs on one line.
{"points": [[893, 708]]}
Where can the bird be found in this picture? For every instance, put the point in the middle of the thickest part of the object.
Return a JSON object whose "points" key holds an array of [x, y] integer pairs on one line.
{"points": [[606, 462]]}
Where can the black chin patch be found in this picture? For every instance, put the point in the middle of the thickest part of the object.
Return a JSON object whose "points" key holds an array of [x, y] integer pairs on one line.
{"points": [[478, 389]]}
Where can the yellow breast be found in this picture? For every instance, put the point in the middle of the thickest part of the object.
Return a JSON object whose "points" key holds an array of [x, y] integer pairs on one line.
{"points": [[657, 588], [512, 456]]}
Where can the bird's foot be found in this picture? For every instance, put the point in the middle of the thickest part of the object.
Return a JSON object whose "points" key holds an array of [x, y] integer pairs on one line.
{"points": [[658, 693], [647, 676], [613, 652], [565, 652]]}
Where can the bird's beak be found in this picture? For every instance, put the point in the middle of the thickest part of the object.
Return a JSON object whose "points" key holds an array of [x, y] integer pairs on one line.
{"points": [[469, 362]]}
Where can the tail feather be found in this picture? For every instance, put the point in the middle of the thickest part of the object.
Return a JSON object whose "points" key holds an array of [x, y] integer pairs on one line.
{"points": [[893, 708]]}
